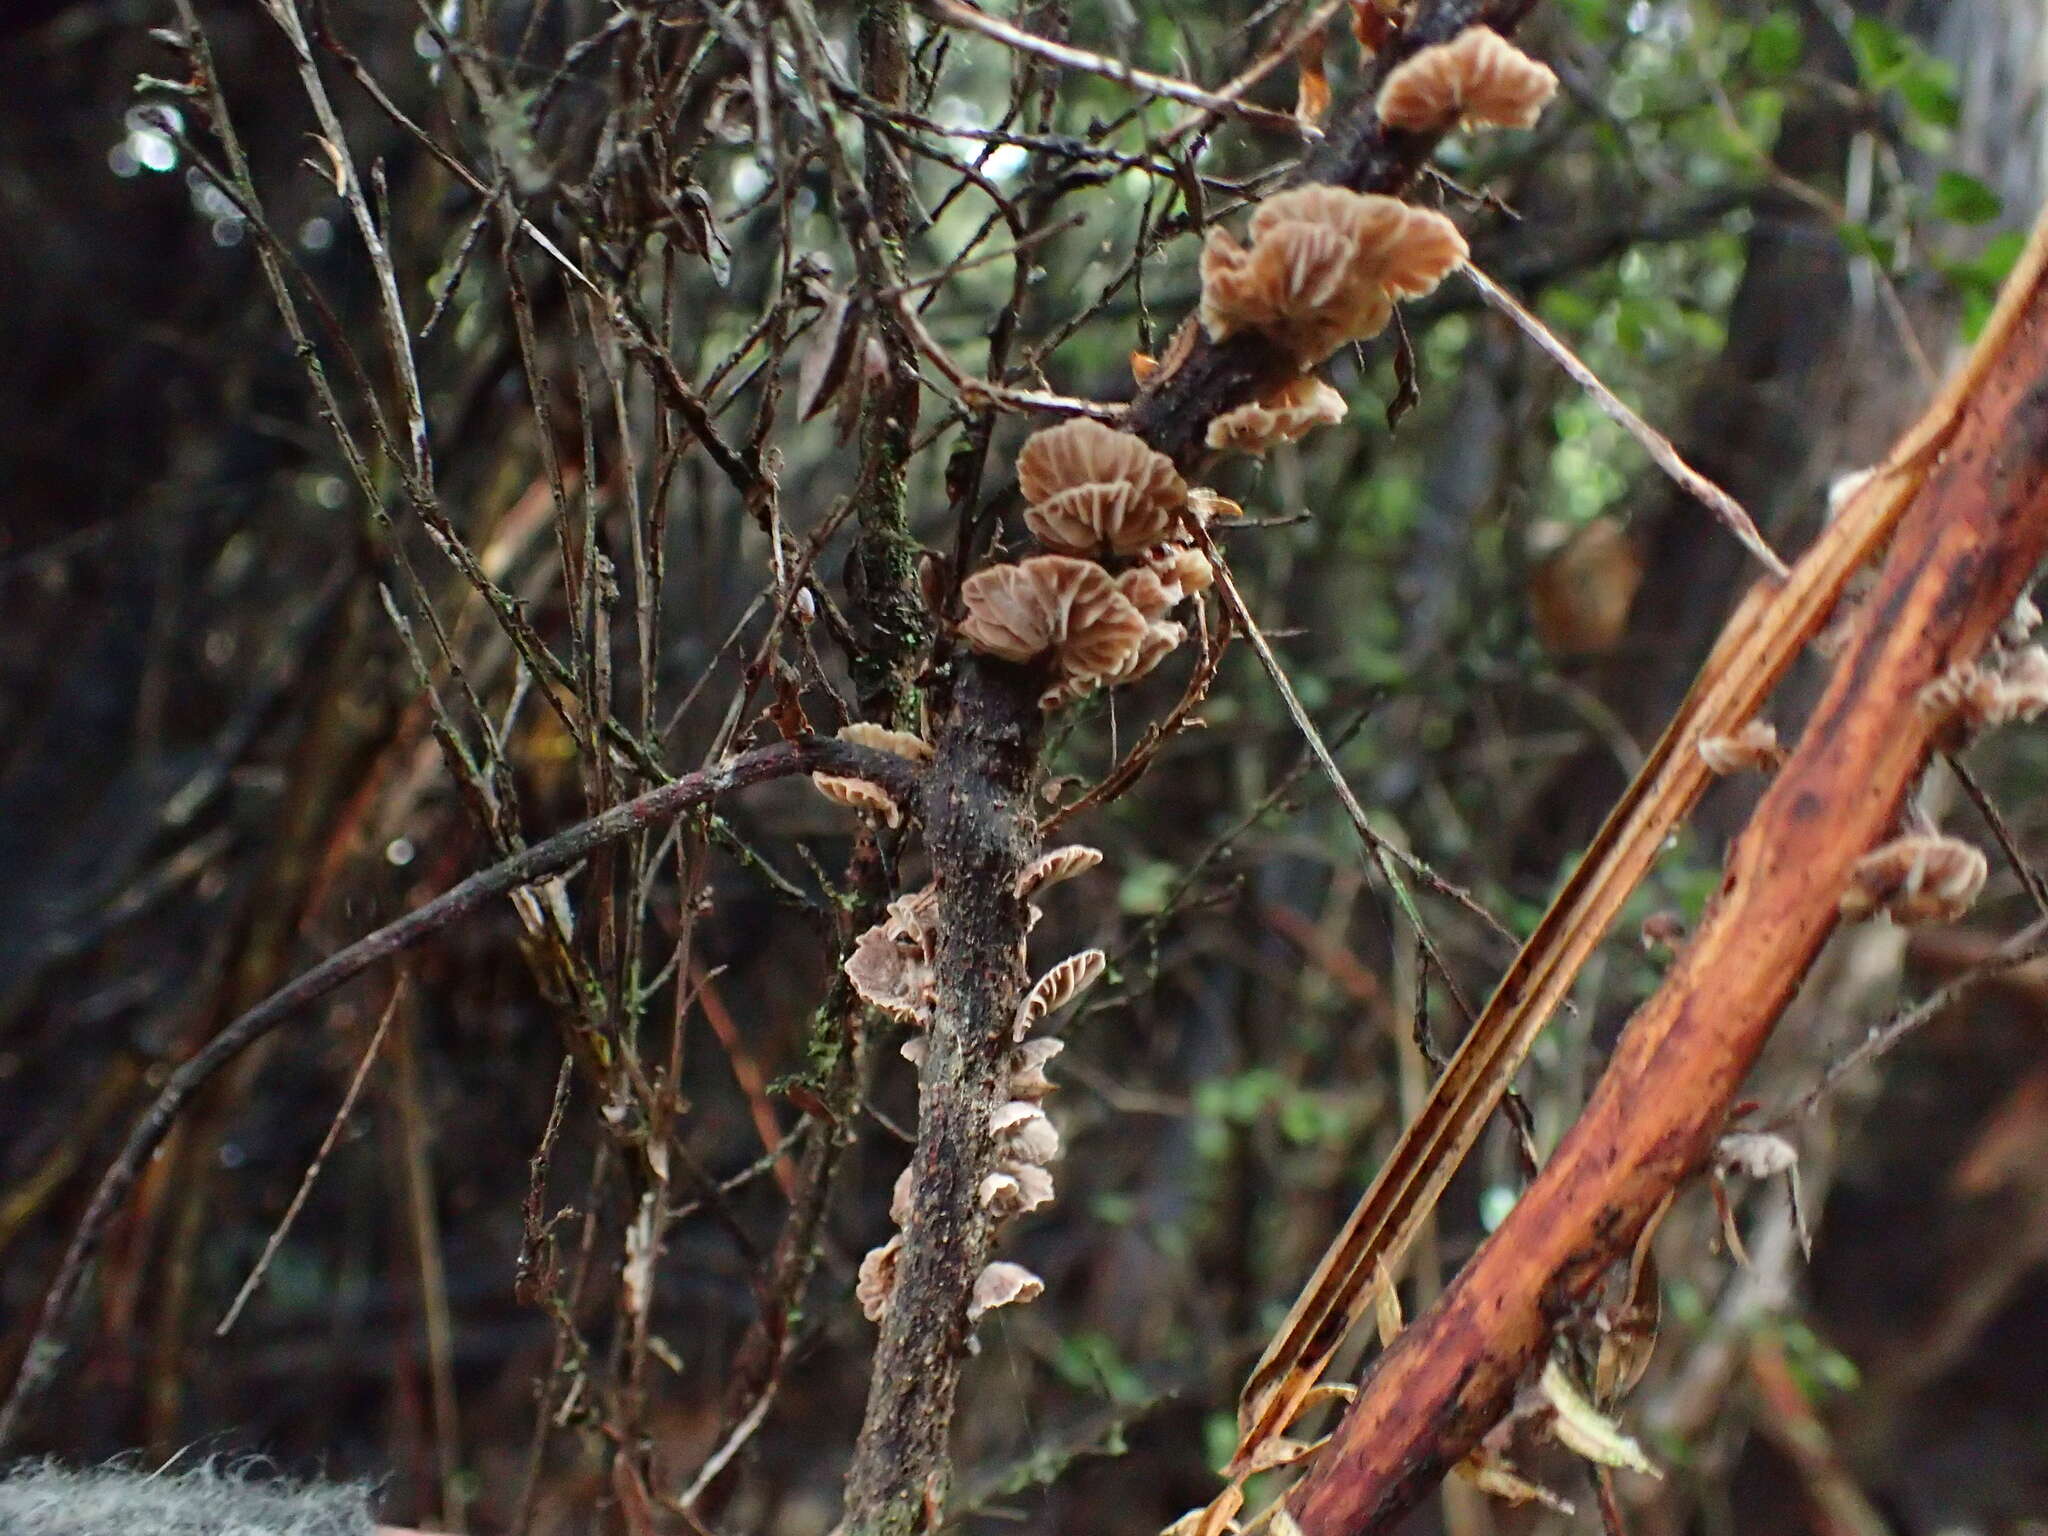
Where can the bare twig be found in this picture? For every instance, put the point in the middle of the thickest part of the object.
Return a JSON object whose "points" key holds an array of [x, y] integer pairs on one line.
{"points": [[1659, 447]]}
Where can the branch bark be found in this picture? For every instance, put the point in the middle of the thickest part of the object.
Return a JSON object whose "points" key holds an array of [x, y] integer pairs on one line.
{"points": [[980, 830], [45, 1351], [1966, 547]]}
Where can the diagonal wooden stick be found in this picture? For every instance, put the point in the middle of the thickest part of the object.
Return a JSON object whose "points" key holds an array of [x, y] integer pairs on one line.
{"points": [[1971, 481], [1760, 641]]}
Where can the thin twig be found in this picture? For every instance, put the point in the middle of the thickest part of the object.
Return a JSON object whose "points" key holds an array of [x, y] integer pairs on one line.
{"points": [[327, 1143], [1659, 447]]}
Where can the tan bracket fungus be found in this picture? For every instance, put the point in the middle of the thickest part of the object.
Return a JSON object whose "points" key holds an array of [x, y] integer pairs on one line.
{"points": [[1094, 490], [1477, 80], [1325, 266]]}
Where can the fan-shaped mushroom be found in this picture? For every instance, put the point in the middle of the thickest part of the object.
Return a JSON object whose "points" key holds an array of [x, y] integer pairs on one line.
{"points": [[1478, 78], [1095, 490]]}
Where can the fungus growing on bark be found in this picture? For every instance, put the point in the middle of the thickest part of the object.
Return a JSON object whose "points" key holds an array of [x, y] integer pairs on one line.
{"points": [[1060, 986], [891, 963], [1325, 266], [1754, 746], [1478, 79], [1000, 1285], [1055, 865], [1973, 696], [1052, 603], [877, 1281], [1027, 1069], [1094, 490], [869, 799], [863, 733], [1920, 878], [1287, 415]]}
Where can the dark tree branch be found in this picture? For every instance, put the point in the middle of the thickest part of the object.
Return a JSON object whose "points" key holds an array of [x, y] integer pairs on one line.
{"points": [[980, 830]]}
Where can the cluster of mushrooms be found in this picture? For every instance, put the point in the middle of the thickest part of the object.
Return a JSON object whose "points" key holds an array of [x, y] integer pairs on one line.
{"points": [[1118, 526]]}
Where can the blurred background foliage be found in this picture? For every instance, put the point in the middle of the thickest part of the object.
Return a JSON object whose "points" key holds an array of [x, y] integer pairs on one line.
{"points": [[1767, 226]]}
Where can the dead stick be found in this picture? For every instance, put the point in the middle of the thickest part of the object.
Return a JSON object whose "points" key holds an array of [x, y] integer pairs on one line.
{"points": [[1965, 549]]}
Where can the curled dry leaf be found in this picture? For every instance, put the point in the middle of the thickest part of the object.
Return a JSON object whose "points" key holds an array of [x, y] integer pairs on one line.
{"points": [[1055, 865], [1052, 603], [908, 744], [1095, 490], [1919, 878], [1287, 415], [869, 799], [1312, 95], [830, 355], [1215, 1519], [1478, 78], [1492, 1476], [1581, 1427], [1059, 987], [1002, 1284], [1754, 746], [877, 1280], [1325, 266]]}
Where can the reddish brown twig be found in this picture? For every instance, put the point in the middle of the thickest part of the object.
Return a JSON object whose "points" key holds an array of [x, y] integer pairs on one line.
{"points": [[1969, 540]]}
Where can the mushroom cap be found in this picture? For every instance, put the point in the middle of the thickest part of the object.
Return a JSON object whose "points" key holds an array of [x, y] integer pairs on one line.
{"points": [[1000, 1285], [1287, 415], [1919, 878], [1478, 78], [1324, 267], [1054, 603], [1093, 489], [864, 733]]}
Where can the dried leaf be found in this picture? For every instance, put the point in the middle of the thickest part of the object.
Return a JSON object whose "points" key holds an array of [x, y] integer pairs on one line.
{"points": [[830, 355], [1494, 1477], [1581, 1427], [1214, 1519], [1312, 95]]}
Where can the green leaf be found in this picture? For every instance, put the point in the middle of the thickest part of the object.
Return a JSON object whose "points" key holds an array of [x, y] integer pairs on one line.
{"points": [[1965, 200], [1775, 46], [1929, 92], [1880, 52]]}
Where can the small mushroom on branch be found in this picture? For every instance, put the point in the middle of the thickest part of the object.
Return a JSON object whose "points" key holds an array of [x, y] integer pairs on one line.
{"points": [[1754, 746], [1478, 80], [863, 733], [877, 1279], [1094, 490], [1923, 877], [1287, 415], [1000, 1285], [1325, 266], [1059, 987], [861, 795], [1052, 603]]}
